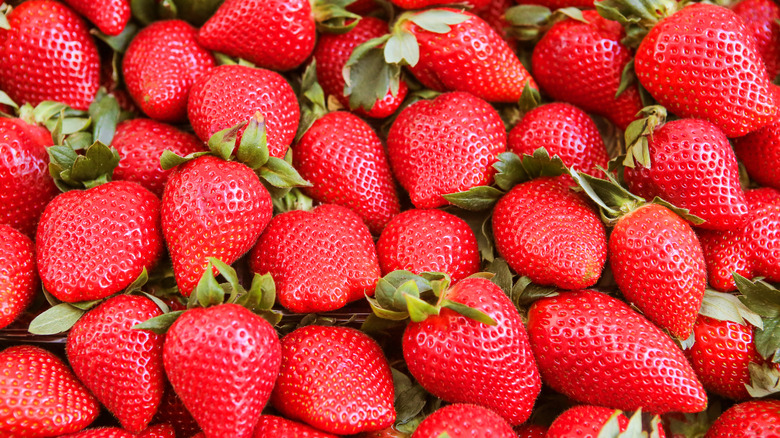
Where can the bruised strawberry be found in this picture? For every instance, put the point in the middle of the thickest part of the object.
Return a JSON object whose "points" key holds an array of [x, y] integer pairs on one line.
{"points": [[18, 277], [461, 420], [753, 419], [110, 16]]}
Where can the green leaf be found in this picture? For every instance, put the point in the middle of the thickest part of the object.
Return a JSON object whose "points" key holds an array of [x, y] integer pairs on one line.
{"points": [[169, 160], [768, 339], [469, 312], [4, 24], [118, 43], [196, 12], [476, 198], [727, 307], [503, 277], [418, 309], [764, 380], [227, 272], [139, 282], [279, 173], [438, 20], [105, 114], [409, 401], [510, 171], [368, 77], [402, 48], [68, 125], [160, 324], [144, 11], [261, 294], [759, 296], [524, 292], [222, 143], [614, 200], [79, 141], [530, 98], [384, 313], [4, 98], [96, 166], [160, 303], [253, 148], [682, 212], [527, 15], [46, 110], [611, 428], [86, 305], [57, 319], [627, 78], [637, 133], [208, 291]]}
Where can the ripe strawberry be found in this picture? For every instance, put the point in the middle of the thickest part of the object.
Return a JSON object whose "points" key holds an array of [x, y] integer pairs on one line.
{"points": [[48, 54], [474, 5], [726, 84], [761, 18], [173, 412], [558, 4], [759, 151], [582, 64], [584, 421], [346, 163], [110, 16], [445, 145], [597, 350], [429, 241], [494, 15], [25, 184], [160, 66], [753, 419], [230, 94], [548, 232], [563, 130], [158, 431], [462, 420], [222, 361], [528, 430], [121, 366], [278, 427], [361, 399], [18, 277], [53, 401], [320, 260]]}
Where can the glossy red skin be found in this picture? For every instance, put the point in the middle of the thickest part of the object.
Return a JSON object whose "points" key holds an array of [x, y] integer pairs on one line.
{"points": [[558, 4], [429, 241], [54, 402], [596, 350], [446, 353], [35, 68], [759, 151], [320, 259], [335, 379], [222, 361], [462, 420], [278, 427], [659, 266], [471, 57], [160, 66], [121, 366], [693, 167], [474, 5], [273, 34], [727, 84], [493, 15], [548, 232], [445, 145], [158, 431], [753, 419], [93, 243], [141, 142], [172, 411], [346, 163], [211, 208], [582, 63], [583, 421], [331, 54], [110, 16], [231, 94], [761, 17], [18, 276]]}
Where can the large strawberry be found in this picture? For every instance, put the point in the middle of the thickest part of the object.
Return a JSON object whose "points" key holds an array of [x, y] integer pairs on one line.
{"points": [[597, 350], [48, 54], [161, 64], [53, 401], [761, 18], [462, 420], [759, 151], [18, 277], [279, 427], [360, 399], [753, 419], [110, 16]]}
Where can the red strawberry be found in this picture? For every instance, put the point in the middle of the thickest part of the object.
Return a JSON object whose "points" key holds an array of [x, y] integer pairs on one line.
{"points": [[158, 431], [494, 15], [320, 260], [141, 142], [173, 412], [222, 361], [445, 145], [753, 419], [461, 420], [230, 94], [278, 427], [759, 151], [48, 54], [548, 232], [726, 84], [161, 64], [345, 161], [429, 241], [528, 430], [582, 64], [18, 277], [584, 421], [477, 5], [761, 18], [360, 399], [110, 16], [563, 130], [558, 4], [597, 350], [53, 401], [120, 365]]}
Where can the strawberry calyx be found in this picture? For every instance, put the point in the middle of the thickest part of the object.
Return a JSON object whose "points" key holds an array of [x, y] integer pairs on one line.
{"points": [[694, 425], [634, 429], [764, 380], [724, 306], [522, 292], [196, 12], [5, 9], [637, 136], [332, 16], [530, 22], [5, 100], [763, 299], [636, 16], [312, 100]]}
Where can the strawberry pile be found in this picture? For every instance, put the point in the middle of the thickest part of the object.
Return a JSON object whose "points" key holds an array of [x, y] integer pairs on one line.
{"points": [[405, 218]]}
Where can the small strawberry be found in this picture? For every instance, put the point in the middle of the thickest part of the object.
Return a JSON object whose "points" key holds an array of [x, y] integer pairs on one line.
{"points": [[53, 401], [110, 16], [278, 427], [753, 419], [585, 421], [761, 18], [462, 420], [18, 277], [759, 151]]}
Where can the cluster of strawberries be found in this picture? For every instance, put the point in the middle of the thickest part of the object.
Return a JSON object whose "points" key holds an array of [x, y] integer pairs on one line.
{"points": [[211, 197]]}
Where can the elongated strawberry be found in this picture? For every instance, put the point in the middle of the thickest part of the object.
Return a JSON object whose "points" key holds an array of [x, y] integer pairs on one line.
{"points": [[53, 403], [273, 426], [753, 419], [18, 277], [48, 54], [759, 151], [761, 17], [110, 16], [585, 421], [462, 420]]}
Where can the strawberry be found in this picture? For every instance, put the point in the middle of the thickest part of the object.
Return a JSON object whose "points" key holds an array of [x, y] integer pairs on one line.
{"points": [[476, 5], [121, 366], [173, 412], [53, 401], [445, 145], [320, 259], [48, 54], [25, 184], [18, 277], [160, 66], [141, 142], [597, 350], [429, 241], [528, 430], [230, 94], [584, 421], [759, 151], [158, 431], [110, 16], [761, 18], [361, 399], [725, 84], [753, 419], [558, 4], [582, 63], [278, 427], [495, 15], [462, 420], [547, 232], [222, 361], [345, 161], [563, 130]]}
